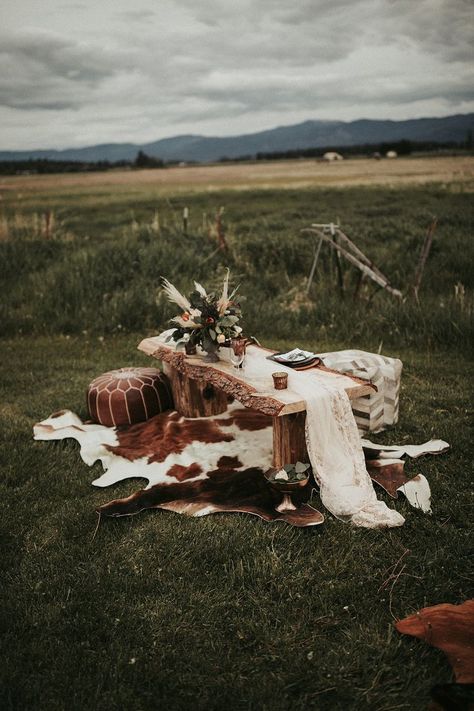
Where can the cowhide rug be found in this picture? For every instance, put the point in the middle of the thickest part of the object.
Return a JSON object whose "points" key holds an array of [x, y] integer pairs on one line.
{"points": [[215, 464]]}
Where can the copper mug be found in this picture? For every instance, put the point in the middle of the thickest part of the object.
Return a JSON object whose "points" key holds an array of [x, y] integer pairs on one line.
{"points": [[280, 380]]}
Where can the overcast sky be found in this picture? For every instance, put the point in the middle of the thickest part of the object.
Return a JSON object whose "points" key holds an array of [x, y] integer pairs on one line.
{"points": [[86, 72]]}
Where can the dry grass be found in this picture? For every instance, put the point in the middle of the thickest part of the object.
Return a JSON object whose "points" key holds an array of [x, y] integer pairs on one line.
{"points": [[281, 174]]}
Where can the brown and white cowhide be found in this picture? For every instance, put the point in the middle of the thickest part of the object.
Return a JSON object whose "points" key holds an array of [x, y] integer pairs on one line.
{"points": [[207, 465]]}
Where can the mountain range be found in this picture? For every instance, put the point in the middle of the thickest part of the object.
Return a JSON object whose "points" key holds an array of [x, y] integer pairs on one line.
{"points": [[309, 134]]}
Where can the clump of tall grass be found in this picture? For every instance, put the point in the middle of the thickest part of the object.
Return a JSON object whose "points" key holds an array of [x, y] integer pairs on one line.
{"points": [[22, 227]]}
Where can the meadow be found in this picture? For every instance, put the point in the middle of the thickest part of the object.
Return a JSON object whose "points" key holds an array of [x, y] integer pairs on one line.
{"points": [[161, 611]]}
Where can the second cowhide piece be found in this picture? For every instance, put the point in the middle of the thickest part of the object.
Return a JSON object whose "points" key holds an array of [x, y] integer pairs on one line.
{"points": [[128, 395], [201, 466], [449, 628]]}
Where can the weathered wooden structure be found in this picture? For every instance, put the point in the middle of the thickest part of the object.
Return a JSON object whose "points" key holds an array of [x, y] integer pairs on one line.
{"points": [[332, 234]]}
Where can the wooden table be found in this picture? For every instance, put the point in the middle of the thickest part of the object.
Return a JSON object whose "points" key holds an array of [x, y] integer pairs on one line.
{"points": [[201, 389]]}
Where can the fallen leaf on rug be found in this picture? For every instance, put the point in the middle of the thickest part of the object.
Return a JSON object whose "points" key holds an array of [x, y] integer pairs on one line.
{"points": [[206, 465]]}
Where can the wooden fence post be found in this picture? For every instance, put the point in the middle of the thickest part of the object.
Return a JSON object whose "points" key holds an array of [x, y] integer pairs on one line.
{"points": [[185, 220], [47, 223], [425, 250], [220, 229]]}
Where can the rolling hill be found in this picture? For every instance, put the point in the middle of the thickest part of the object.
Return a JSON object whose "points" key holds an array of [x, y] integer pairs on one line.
{"points": [[309, 134]]}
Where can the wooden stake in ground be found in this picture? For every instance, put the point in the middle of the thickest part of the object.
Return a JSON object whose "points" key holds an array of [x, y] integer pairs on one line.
{"points": [[48, 223], [424, 256], [220, 229], [185, 220], [155, 223]]}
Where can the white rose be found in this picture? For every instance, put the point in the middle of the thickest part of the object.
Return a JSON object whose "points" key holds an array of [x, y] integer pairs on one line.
{"points": [[221, 338], [237, 329]]}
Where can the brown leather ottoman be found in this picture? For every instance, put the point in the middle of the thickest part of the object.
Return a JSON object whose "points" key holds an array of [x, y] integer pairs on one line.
{"points": [[128, 395]]}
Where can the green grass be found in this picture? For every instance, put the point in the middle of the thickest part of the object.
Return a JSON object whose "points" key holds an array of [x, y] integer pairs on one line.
{"points": [[101, 271], [220, 611], [163, 611]]}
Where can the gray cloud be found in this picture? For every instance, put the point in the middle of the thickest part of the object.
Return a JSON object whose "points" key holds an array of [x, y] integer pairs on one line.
{"points": [[440, 27], [118, 73], [46, 71], [139, 15]]}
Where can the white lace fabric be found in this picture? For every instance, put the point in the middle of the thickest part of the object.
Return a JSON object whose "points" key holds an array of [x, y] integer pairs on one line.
{"points": [[336, 455]]}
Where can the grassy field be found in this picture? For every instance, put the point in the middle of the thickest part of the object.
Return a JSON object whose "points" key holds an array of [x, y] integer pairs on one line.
{"points": [[239, 176], [161, 611]]}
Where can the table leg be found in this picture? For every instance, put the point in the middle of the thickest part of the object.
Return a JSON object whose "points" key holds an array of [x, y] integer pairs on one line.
{"points": [[194, 398], [289, 442]]}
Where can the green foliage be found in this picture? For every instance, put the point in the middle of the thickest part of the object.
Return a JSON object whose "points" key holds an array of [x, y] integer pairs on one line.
{"points": [[105, 276]]}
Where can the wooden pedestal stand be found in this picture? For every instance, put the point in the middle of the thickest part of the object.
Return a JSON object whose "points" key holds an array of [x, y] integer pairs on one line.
{"points": [[201, 389]]}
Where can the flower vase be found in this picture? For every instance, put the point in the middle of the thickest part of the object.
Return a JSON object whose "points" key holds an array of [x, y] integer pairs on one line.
{"points": [[190, 348], [211, 348], [212, 353]]}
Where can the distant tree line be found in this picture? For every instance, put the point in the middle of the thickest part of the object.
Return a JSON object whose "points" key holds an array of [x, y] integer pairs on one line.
{"points": [[42, 166], [142, 160], [145, 161], [403, 148], [46, 165]]}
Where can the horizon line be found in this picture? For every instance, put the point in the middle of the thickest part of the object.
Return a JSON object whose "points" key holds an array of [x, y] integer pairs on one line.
{"points": [[235, 135]]}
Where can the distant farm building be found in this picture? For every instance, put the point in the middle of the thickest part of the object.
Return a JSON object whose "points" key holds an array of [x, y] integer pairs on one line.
{"points": [[331, 156], [391, 154]]}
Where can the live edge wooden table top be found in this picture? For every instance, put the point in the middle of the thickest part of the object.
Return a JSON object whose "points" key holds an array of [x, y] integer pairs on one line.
{"points": [[254, 391], [200, 389]]}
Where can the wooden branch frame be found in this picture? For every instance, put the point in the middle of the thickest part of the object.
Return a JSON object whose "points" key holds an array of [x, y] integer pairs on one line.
{"points": [[360, 261]]}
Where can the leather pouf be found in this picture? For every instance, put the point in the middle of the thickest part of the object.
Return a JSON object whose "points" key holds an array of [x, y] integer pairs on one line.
{"points": [[128, 395]]}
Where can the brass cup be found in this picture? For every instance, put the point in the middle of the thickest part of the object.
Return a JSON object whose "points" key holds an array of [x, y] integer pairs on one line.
{"points": [[280, 380]]}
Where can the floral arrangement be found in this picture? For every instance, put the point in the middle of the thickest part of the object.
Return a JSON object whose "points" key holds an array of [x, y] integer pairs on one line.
{"points": [[207, 319]]}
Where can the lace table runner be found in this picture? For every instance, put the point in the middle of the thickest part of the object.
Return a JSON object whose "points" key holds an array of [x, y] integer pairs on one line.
{"points": [[337, 458]]}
